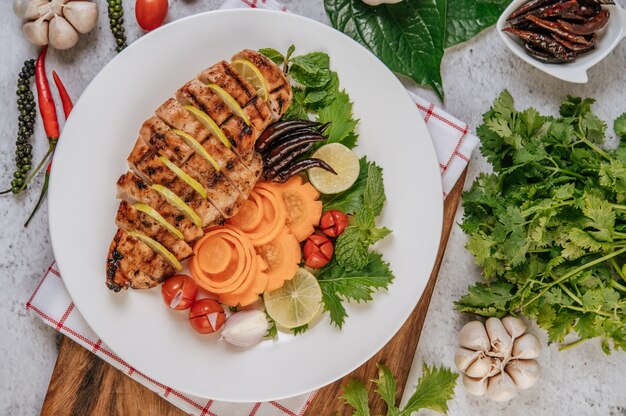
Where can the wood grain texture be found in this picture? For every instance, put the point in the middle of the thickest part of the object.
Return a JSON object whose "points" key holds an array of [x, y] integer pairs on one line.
{"points": [[399, 352], [84, 385]]}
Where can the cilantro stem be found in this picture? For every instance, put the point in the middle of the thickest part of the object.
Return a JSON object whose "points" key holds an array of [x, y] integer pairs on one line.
{"points": [[572, 344], [583, 310], [617, 206], [617, 285], [574, 272], [617, 269], [564, 171], [569, 292], [593, 146]]}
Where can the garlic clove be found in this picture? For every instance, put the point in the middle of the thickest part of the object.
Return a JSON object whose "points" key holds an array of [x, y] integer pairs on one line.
{"points": [[62, 35], [27, 9], [83, 15], [481, 367], [36, 32], [526, 347], [245, 328], [501, 387], [514, 326], [463, 358], [501, 341], [475, 386], [524, 373], [474, 336]]}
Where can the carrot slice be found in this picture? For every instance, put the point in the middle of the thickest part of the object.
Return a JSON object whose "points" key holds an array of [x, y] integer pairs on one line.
{"points": [[215, 255], [250, 214], [302, 205], [282, 255], [259, 283], [274, 216]]}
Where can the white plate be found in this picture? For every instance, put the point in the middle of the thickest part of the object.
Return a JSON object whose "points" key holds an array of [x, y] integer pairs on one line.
{"points": [[135, 324]]}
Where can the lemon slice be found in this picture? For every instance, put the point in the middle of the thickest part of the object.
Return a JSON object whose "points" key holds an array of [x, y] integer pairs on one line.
{"points": [[252, 74], [151, 212], [197, 147], [173, 199], [230, 102], [158, 247], [184, 176], [297, 302], [209, 124], [343, 161]]}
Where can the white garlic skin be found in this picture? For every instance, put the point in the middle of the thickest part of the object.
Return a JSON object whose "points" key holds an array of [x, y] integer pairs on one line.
{"points": [[476, 386], [526, 347], [27, 9], [481, 367], [501, 387], [473, 336], [83, 15], [379, 2], [245, 328], [514, 326], [61, 33], [500, 340], [36, 32], [463, 358], [524, 373]]}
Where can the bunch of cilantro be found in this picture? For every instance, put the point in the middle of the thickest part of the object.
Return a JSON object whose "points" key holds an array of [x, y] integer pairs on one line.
{"points": [[548, 227], [355, 272]]}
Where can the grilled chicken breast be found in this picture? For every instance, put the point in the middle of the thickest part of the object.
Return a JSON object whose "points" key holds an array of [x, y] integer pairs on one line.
{"points": [[167, 145]]}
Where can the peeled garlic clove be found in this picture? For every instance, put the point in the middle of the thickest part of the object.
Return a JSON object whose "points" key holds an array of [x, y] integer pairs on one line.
{"points": [[501, 387], [524, 373], [500, 339], [27, 9], [36, 32], [83, 15], [474, 337], [476, 386], [463, 358], [481, 367], [245, 328], [514, 326], [526, 347], [62, 35]]}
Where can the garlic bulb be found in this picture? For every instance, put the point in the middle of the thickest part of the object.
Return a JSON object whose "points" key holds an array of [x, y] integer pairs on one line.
{"points": [[497, 357], [245, 328], [379, 2], [56, 22]]}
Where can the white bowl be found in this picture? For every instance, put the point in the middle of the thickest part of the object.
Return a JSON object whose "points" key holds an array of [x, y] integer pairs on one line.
{"points": [[576, 71]]}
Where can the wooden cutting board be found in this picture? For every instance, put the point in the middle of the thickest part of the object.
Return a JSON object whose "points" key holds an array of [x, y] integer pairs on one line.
{"points": [[83, 384]]}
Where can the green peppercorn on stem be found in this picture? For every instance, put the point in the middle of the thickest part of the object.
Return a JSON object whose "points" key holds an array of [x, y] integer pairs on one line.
{"points": [[52, 145], [116, 19]]}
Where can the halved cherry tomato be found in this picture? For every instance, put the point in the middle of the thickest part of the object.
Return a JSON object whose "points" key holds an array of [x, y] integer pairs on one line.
{"points": [[179, 292], [333, 223], [318, 250], [150, 14], [206, 316]]}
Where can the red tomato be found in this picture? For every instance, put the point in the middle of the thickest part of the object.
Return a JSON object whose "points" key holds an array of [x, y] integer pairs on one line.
{"points": [[318, 250], [179, 292], [150, 14], [206, 316], [333, 223]]}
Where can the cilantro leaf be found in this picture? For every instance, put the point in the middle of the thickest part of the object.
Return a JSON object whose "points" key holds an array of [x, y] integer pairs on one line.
{"points": [[342, 127], [355, 394], [492, 300], [620, 126]]}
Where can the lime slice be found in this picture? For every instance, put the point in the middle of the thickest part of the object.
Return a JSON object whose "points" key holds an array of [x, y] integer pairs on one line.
{"points": [[184, 176], [197, 147], [151, 212], [343, 161], [230, 102], [297, 302], [158, 247], [209, 124], [173, 199], [252, 74]]}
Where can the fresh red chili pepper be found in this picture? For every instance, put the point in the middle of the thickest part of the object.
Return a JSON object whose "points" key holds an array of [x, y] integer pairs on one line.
{"points": [[44, 97], [65, 97], [318, 250], [333, 223]]}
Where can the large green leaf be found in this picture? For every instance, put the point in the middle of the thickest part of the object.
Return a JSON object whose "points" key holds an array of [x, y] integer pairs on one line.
{"points": [[467, 18], [408, 37]]}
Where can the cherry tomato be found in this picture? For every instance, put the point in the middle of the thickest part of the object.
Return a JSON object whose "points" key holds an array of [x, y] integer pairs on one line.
{"points": [[179, 292], [206, 316], [333, 223], [150, 14], [318, 250]]}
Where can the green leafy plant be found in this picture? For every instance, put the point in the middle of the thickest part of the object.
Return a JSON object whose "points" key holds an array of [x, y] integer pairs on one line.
{"points": [[548, 227], [410, 36], [433, 391]]}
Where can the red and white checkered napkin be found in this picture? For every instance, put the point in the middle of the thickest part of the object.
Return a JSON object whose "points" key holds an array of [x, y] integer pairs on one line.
{"points": [[51, 301]]}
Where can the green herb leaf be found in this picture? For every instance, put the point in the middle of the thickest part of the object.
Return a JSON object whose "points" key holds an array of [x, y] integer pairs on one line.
{"points": [[620, 126], [351, 248], [374, 195], [467, 18], [311, 70], [342, 127], [351, 200], [300, 329], [274, 55], [297, 109], [355, 394], [434, 389], [408, 37], [387, 389]]}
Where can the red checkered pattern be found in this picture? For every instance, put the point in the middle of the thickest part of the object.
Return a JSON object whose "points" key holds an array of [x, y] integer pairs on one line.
{"points": [[51, 301]]}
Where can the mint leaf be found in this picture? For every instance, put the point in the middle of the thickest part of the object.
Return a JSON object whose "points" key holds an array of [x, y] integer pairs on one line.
{"points": [[434, 389], [316, 98], [408, 37], [342, 127], [467, 18], [355, 394], [620, 126], [311, 70], [273, 54], [374, 195], [351, 247], [297, 109]]}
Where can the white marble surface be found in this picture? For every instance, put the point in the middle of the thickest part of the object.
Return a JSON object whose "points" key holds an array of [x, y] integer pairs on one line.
{"points": [[581, 381]]}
